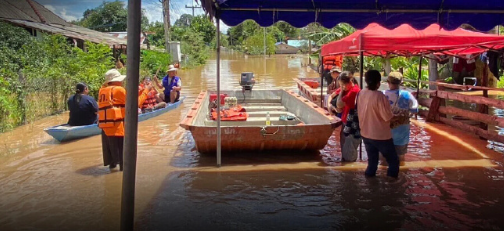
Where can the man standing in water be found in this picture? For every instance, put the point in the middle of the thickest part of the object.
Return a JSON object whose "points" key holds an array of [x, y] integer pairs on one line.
{"points": [[375, 115], [171, 84], [111, 113], [402, 104]]}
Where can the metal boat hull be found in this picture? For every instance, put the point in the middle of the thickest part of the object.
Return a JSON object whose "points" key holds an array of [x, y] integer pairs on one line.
{"points": [[311, 134]]}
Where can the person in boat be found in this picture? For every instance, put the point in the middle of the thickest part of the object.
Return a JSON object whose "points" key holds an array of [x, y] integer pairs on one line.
{"points": [[148, 98], [111, 113], [373, 109], [171, 84], [83, 108], [342, 101], [402, 104]]}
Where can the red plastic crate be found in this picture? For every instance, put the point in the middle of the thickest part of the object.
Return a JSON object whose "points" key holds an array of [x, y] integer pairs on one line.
{"points": [[214, 97]]}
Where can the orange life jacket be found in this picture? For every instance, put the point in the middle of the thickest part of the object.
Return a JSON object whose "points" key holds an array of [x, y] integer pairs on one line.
{"points": [[150, 101], [331, 61], [109, 112]]}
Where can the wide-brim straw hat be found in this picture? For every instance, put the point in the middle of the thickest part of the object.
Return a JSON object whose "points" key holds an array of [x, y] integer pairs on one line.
{"points": [[114, 75], [172, 68], [335, 69], [395, 77]]}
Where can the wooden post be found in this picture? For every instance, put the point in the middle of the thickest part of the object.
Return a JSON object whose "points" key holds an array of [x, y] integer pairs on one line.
{"points": [[483, 108], [418, 81], [131, 120]]}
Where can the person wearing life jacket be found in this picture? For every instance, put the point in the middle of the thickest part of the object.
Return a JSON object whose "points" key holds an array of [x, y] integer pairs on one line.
{"points": [[111, 113], [148, 100], [171, 84]]}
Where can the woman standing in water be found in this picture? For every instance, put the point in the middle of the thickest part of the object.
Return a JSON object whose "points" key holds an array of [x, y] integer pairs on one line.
{"points": [[402, 104], [83, 108]]}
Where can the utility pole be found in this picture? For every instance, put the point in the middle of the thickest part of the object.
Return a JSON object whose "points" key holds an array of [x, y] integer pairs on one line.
{"points": [[264, 41], [192, 7], [166, 22]]}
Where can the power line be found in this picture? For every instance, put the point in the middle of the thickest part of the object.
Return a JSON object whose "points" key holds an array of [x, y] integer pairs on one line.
{"points": [[192, 7]]}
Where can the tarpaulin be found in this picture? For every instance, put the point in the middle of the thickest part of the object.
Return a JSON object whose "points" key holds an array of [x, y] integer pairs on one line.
{"points": [[406, 40], [449, 14]]}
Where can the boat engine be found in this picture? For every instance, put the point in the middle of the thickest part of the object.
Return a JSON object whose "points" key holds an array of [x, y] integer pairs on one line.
{"points": [[247, 81]]}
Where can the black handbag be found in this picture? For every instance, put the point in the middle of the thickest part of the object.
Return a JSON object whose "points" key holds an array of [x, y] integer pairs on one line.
{"points": [[352, 124]]}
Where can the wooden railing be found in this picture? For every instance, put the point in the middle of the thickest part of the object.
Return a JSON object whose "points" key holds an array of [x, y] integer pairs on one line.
{"points": [[439, 112]]}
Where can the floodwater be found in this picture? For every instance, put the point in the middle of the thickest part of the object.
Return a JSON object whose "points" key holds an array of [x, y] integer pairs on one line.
{"points": [[451, 181]]}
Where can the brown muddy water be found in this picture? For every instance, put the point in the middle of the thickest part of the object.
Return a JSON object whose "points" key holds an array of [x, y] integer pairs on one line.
{"points": [[450, 181]]}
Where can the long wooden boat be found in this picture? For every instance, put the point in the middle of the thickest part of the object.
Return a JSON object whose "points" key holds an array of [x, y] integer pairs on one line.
{"points": [[309, 130], [64, 132], [313, 94]]}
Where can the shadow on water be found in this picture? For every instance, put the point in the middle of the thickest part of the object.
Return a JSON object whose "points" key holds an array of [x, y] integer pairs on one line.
{"points": [[424, 199], [96, 171]]}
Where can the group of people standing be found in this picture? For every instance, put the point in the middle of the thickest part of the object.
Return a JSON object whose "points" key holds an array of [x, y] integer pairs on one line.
{"points": [[380, 118], [109, 111]]}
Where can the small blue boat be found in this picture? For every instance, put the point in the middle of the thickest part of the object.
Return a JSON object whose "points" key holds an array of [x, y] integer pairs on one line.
{"points": [[64, 132]]}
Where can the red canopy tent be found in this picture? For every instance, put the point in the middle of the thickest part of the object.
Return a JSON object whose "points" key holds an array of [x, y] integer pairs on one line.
{"points": [[406, 41]]}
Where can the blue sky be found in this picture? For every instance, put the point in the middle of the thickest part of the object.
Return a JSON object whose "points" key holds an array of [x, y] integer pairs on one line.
{"points": [[73, 9]]}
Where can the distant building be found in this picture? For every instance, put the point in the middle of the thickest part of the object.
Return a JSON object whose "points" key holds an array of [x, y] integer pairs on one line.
{"points": [[35, 18], [283, 48], [298, 43]]}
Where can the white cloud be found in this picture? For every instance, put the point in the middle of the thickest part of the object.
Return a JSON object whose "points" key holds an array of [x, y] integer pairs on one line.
{"points": [[62, 12], [67, 17], [51, 8]]}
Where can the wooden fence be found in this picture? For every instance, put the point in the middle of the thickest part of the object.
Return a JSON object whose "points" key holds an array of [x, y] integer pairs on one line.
{"points": [[436, 101]]}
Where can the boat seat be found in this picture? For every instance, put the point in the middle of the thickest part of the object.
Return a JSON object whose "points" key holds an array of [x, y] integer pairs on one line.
{"points": [[264, 108], [254, 121], [272, 114]]}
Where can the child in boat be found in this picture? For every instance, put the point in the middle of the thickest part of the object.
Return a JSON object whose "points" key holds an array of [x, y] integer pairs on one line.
{"points": [[83, 108], [148, 100]]}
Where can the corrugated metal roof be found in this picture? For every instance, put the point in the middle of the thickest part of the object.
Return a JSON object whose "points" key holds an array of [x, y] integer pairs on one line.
{"points": [[22, 10], [71, 31], [21, 13]]}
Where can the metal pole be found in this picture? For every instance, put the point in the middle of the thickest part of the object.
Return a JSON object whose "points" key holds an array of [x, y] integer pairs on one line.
{"points": [[418, 81], [361, 84], [218, 97], [322, 97], [264, 41], [131, 120]]}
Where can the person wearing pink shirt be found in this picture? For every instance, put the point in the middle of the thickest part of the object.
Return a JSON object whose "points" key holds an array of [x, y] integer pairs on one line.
{"points": [[374, 121]]}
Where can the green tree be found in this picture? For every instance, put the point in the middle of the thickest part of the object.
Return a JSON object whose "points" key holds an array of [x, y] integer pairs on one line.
{"points": [[184, 20], [109, 17], [204, 26], [254, 45], [288, 30]]}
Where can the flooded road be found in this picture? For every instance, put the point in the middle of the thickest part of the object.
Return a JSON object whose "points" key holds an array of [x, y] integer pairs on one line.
{"points": [[450, 181]]}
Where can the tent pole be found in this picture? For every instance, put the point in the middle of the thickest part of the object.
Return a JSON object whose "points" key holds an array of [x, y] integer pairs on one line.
{"points": [[361, 82], [361, 85], [218, 97], [418, 82], [131, 120], [322, 97]]}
